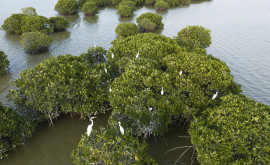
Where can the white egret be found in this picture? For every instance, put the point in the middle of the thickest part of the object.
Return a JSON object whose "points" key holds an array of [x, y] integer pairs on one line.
{"points": [[110, 89], [215, 95], [95, 45], [89, 128], [112, 55], [121, 128], [150, 109], [162, 92], [105, 70], [180, 73], [137, 56]]}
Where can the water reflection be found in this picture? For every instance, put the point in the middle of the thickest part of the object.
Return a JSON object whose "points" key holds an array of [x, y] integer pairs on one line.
{"points": [[72, 19], [91, 19]]}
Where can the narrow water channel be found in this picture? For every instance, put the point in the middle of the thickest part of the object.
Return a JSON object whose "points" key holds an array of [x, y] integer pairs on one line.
{"points": [[240, 37]]}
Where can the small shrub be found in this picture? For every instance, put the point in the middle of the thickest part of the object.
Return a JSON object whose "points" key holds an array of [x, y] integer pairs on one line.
{"points": [[149, 21], [90, 8], [13, 24], [126, 29], [193, 37], [161, 5], [66, 7], [126, 8], [29, 11], [59, 23], [35, 42]]}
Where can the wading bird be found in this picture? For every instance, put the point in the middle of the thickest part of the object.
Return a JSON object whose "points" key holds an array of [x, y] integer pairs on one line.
{"points": [[215, 95], [121, 128], [137, 56], [89, 128], [180, 73], [162, 92], [105, 70], [110, 89], [95, 45], [112, 55]]}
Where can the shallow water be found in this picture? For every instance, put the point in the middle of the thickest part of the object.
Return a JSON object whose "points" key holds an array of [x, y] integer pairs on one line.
{"points": [[240, 37]]}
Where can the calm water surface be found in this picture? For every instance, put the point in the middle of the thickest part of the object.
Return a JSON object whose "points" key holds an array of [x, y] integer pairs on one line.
{"points": [[240, 37]]}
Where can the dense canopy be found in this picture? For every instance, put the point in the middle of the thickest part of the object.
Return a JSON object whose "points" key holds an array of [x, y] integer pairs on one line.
{"points": [[4, 62], [108, 146], [14, 130], [61, 85], [235, 132]]}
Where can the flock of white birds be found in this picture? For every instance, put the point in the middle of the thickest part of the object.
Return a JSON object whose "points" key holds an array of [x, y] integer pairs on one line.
{"points": [[89, 128]]}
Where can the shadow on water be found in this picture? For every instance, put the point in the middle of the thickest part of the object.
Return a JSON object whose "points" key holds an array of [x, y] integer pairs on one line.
{"points": [[126, 19], [53, 144], [177, 137]]}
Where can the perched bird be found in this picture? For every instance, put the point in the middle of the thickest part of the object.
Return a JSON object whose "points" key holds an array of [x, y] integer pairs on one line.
{"points": [[215, 95], [121, 128], [162, 92], [95, 45], [180, 73], [150, 109], [105, 70], [137, 56], [110, 89], [89, 128], [112, 55]]}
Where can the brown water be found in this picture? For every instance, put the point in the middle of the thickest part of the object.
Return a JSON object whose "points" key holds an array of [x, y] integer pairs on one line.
{"points": [[240, 37]]}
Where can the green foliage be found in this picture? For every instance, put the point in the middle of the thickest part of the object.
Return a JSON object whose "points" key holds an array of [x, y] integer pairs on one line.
{"points": [[111, 147], [61, 85], [149, 21], [173, 2], [29, 11], [94, 55], [116, 2], [150, 2], [236, 132], [137, 2], [101, 3], [135, 92], [193, 37], [90, 8], [201, 77], [3, 62], [66, 7], [152, 46], [14, 130], [81, 2], [35, 42], [14, 23], [184, 2], [126, 29], [139, 82], [126, 8], [36, 24], [161, 5], [59, 23]]}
